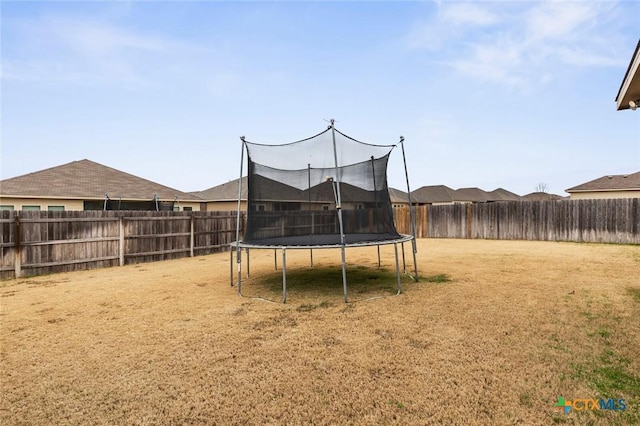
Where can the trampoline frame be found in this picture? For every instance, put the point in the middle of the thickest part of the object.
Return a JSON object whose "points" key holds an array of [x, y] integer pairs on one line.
{"points": [[239, 245]]}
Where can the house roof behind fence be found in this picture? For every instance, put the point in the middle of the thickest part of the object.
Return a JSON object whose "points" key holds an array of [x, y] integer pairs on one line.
{"points": [[227, 191], [627, 182], [542, 196], [502, 194], [432, 194], [85, 179], [474, 195], [397, 196]]}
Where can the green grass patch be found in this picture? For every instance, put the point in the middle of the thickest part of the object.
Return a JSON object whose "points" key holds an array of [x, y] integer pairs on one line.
{"points": [[439, 278], [635, 293]]}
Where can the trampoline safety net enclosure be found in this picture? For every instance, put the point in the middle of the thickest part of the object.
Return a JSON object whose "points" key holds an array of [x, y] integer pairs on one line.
{"points": [[328, 190]]}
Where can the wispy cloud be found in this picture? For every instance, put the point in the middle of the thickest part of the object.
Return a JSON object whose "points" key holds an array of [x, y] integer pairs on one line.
{"points": [[86, 51], [518, 44]]}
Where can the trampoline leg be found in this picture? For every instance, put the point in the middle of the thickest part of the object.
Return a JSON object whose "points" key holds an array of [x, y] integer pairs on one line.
{"points": [[311, 254], [239, 261], [231, 267], [378, 256], [275, 259], [284, 275], [399, 284], [404, 262], [248, 264], [344, 275], [415, 262]]}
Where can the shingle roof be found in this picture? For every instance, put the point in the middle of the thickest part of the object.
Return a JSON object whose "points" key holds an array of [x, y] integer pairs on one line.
{"points": [[502, 194], [475, 195], [88, 180], [397, 196], [610, 183], [432, 194], [277, 191], [541, 196], [225, 192]]}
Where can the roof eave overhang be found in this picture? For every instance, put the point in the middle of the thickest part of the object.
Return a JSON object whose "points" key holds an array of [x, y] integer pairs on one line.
{"points": [[570, 190], [630, 87], [58, 197]]}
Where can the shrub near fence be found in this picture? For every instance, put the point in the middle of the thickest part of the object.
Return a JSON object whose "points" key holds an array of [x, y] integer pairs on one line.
{"points": [[595, 221], [44, 242]]}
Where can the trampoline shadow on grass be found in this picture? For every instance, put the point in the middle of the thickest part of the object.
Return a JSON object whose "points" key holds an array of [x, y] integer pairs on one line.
{"points": [[323, 284]]}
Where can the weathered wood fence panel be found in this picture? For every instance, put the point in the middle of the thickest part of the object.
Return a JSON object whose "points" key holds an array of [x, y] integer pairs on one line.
{"points": [[35, 243], [44, 242], [596, 221]]}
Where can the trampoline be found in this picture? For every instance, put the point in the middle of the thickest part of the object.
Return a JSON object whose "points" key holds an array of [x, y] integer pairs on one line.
{"points": [[328, 191]]}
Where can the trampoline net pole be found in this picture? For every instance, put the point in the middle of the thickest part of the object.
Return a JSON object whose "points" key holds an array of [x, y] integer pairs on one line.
{"points": [[238, 248], [411, 210], [339, 208]]}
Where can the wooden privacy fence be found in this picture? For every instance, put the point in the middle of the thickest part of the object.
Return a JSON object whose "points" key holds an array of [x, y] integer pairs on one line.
{"points": [[35, 243], [594, 221]]}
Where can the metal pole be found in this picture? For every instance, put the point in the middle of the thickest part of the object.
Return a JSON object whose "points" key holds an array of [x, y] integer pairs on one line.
{"points": [[238, 249], [404, 262], [248, 262], [284, 275], [339, 208], [411, 215], [375, 195], [310, 211], [231, 267], [399, 284]]}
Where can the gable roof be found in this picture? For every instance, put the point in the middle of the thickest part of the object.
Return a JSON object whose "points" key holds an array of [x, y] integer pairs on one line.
{"points": [[227, 191], [397, 196], [432, 194], [630, 86], [542, 196], [475, 195], [630, 182], [502, 194], [85, 179]]}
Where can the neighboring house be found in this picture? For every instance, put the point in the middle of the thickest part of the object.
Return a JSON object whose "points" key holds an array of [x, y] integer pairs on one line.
{"points": [[629, 93], [611, 186], [470, 195], [502, 194], [277, 196], [542, 196], [441, 194], [224, 197], [86, 185], [399, 199], [432, 195]]}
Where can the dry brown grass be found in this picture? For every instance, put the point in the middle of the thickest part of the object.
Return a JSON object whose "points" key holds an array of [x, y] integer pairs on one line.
{"points": [[517, 325]]}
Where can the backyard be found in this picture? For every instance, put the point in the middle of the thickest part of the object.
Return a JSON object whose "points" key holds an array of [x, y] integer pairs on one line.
{"points": [[495, 332]]}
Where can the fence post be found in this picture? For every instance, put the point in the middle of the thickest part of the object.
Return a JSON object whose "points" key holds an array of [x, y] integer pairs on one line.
{"points": [[18, 254], [192, 236], [469, 222], [121, 235]]}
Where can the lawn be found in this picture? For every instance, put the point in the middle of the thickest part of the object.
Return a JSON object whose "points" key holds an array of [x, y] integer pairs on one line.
{"points": [[495, 332]]}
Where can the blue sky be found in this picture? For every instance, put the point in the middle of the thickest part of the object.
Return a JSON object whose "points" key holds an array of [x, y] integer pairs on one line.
{"points": [[487, 94]]}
